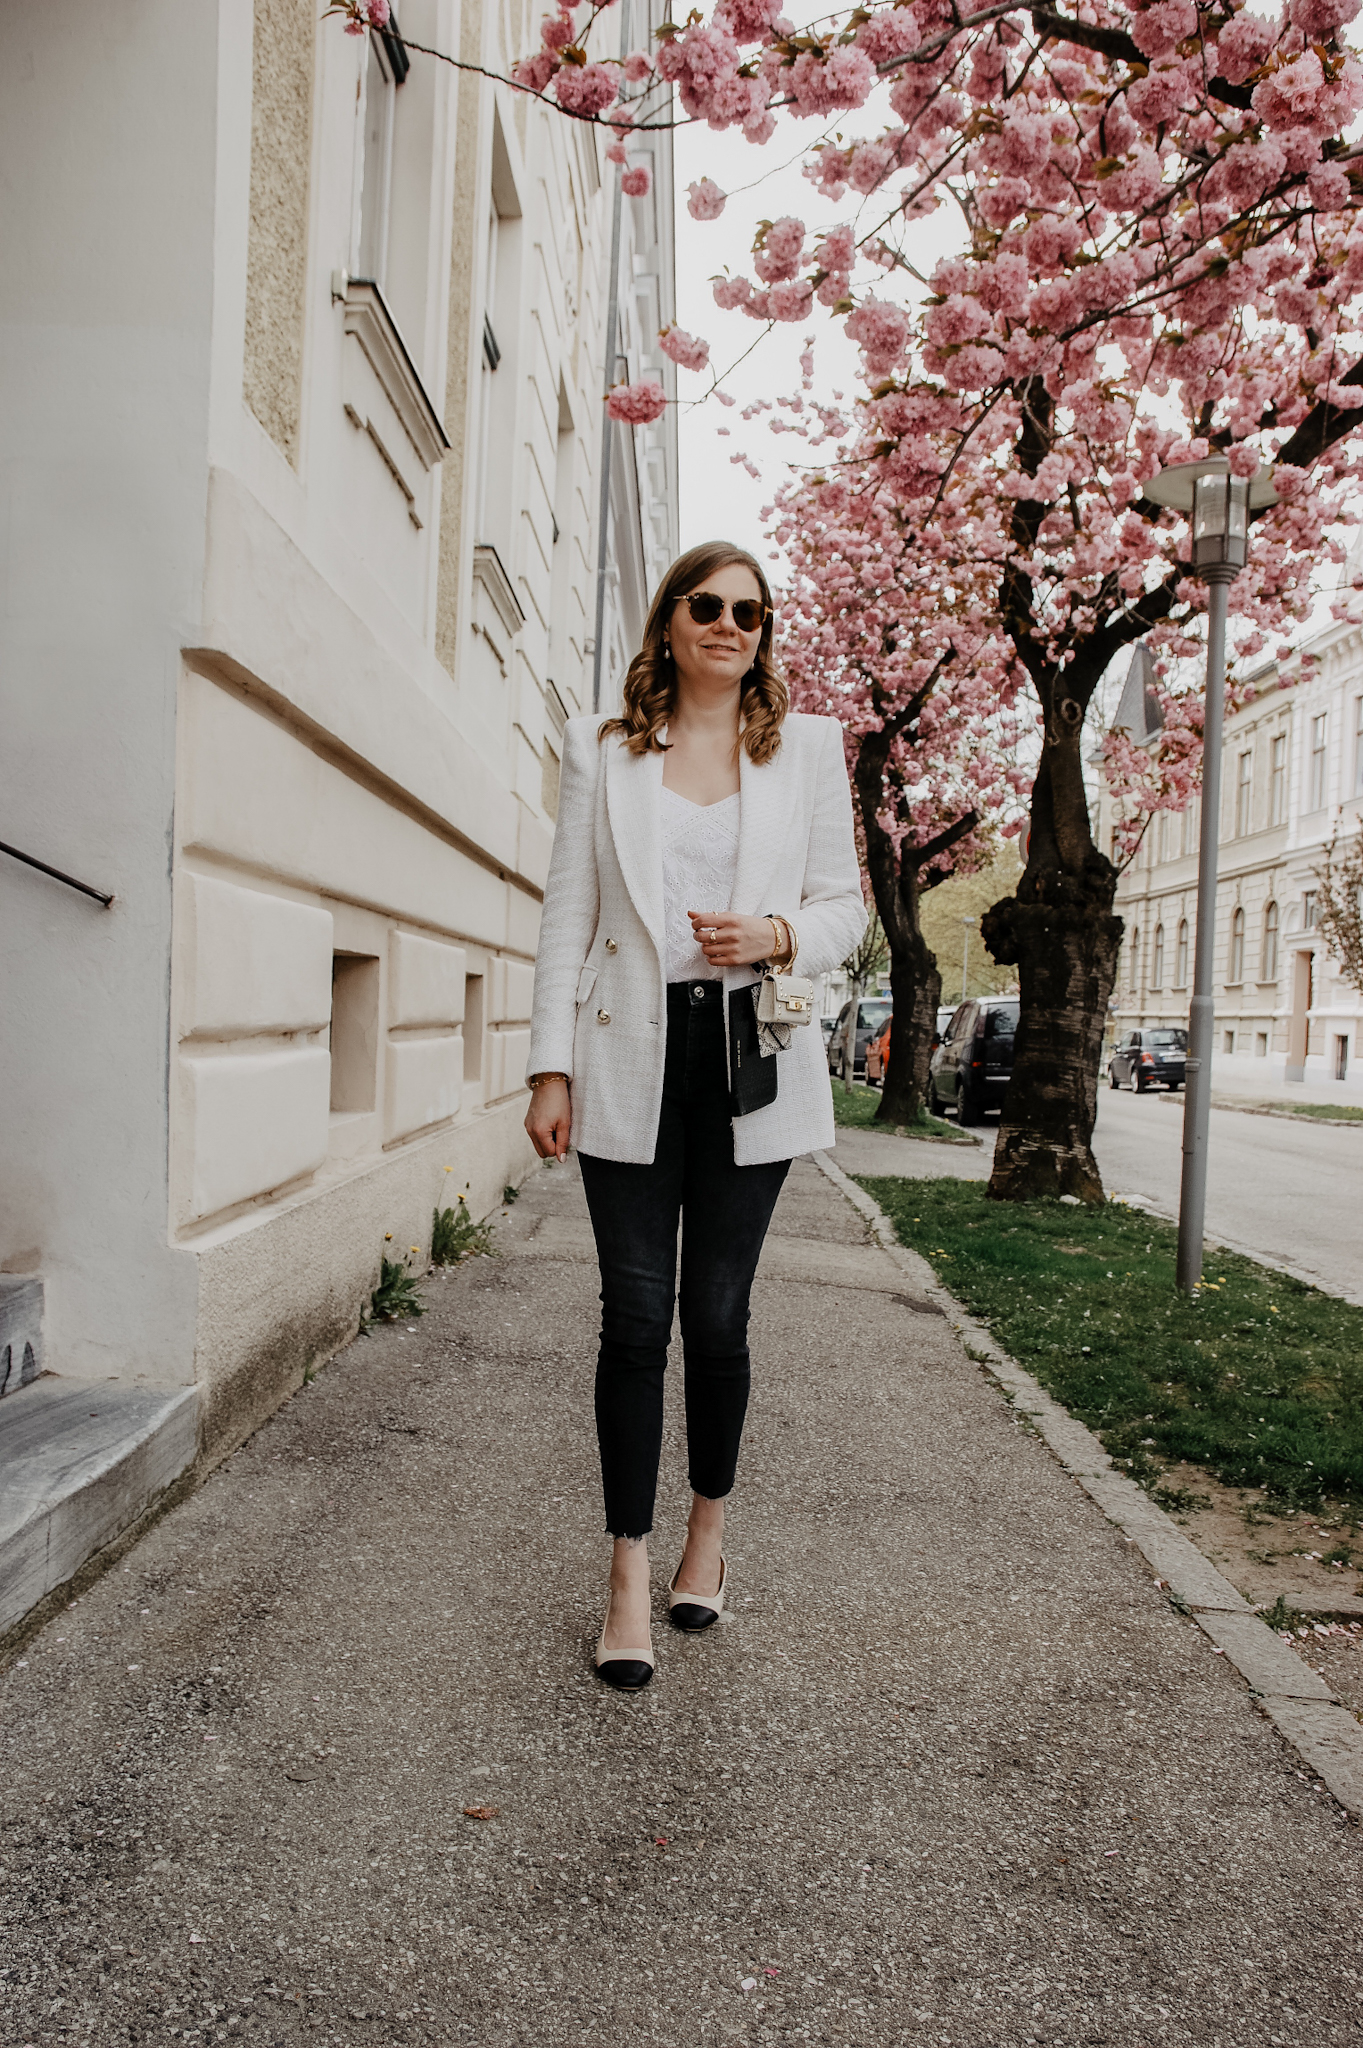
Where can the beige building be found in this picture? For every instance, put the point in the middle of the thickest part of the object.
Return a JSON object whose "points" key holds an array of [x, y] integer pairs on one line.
{"points": [[1291, 776], [304, 354]]}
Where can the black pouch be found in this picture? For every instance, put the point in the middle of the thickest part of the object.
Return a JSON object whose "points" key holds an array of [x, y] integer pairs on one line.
{"points": [[752, 1079]]}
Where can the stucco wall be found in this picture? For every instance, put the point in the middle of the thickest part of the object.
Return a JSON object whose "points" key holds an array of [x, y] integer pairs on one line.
{"points": [[274, 1302], [277, 249], [108, 138]]}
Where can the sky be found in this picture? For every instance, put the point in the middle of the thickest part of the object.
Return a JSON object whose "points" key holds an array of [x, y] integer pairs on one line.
{"points": [[719, 500]]}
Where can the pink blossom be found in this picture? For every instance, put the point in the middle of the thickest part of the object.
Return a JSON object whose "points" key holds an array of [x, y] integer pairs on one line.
{"points": [[618, 153], [1156, 30], [378, 13], [1330, 189], [638, 67], [1242, 47], [881, 330], [790, 300], [748, 21], [781, 250], [636, 405], [957, 320], [534, 73], [821, 87], [557, 31], [1319, 19], [1291, 94], [637, 183], [586, 88], [1244, 460], [685, 349], [731, 292], [725, 398], [706, 201]]}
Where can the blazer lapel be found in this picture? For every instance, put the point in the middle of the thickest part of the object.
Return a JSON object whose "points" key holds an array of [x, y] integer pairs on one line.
{"points": [[765, 800], [634, 803]]}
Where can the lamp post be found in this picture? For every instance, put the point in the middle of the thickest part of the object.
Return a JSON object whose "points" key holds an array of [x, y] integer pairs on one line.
{"points": [[1220, 505]]}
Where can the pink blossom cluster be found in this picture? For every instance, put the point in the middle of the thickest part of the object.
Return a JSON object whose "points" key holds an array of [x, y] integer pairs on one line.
{"points": [[638, 404], [684, 348]]}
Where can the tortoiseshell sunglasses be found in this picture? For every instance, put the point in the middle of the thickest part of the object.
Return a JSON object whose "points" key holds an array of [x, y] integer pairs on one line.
{"points": [[708, 607]]}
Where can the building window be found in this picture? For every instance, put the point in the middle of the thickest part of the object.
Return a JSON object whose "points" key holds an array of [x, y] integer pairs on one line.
{"points": [[1341, 1056], [1136, 961], [1319, 731], [380, 106], [1237, 947], [1261, 1045], [354, 1032], [1308, 911], [1358, 746], [1244, 782], [1181, 955], [1268, 958], [1277, 780], [473, 1027], [1192, 822], [1157, 964], [1228, 1041]]}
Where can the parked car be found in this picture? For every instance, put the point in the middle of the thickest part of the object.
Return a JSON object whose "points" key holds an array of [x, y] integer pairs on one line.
{"points": [[971, 1068], [878, 1048], [828, 1025], [872, 1013], [1150, 1059]]}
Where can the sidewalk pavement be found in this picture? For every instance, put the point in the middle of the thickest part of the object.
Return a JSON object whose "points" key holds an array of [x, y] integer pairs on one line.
{"points": [[953, 1772]]}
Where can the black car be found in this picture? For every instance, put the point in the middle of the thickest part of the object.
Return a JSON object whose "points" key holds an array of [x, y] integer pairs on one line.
{"points": [[971, 1068], [872, 1012], [1149, 1059]]}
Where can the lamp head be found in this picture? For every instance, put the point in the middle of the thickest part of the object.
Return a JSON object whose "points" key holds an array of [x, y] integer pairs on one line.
{"points": [[1220, 505]]}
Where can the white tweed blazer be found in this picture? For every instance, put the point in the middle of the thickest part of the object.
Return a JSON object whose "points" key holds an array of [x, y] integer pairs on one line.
{"points": [[600, 1011]]}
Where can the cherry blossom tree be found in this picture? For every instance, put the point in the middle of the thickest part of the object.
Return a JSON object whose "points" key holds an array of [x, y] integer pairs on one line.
{"points": [[923, 683], [1158, 257]]}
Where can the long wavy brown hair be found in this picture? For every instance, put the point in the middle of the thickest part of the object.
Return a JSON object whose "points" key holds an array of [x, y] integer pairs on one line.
{"points": [[650, 691]]}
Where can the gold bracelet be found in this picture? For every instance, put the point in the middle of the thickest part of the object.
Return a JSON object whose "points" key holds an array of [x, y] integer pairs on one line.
{"points": [[536, 1080]]}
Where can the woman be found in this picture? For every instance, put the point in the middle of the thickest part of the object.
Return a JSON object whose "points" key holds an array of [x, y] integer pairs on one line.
{"points": [[701, 834]]}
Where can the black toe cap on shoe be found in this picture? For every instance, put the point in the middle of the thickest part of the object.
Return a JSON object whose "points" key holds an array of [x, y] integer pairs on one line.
{"points": [[627, 1674], [692, 1619]]}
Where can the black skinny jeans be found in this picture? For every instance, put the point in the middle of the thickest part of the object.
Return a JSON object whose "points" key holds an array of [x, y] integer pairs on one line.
{"points": [[724, 1210]]}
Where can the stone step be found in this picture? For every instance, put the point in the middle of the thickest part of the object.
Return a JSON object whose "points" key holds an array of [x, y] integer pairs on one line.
{"points": [[80, 1460]]}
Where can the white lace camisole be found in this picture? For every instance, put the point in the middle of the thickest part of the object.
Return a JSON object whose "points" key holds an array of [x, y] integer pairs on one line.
{"points": [[700, 854]]}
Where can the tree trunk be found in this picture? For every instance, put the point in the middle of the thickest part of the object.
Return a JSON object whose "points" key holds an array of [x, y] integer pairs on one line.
{"points": [[916, 987], [1061, 932]]}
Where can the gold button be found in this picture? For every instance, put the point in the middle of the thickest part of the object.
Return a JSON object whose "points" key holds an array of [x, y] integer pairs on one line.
{"points": [[603, 1016], [611, 946]]}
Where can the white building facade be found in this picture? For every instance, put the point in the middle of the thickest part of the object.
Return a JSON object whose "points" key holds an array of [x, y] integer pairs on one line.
{"points": [[1291, 779], [301, 422]]}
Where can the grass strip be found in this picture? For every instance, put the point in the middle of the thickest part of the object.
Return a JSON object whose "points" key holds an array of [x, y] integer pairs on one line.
{"points": [[857, 1112], [1259, 1379], [1337, 1112]]}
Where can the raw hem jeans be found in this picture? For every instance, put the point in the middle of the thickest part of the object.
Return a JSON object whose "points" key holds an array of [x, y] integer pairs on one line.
{"points": [[724, 1211]]}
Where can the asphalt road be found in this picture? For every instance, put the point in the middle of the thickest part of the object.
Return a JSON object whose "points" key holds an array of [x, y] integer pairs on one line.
{"points": [[955, 1772], [1279, 1189]]}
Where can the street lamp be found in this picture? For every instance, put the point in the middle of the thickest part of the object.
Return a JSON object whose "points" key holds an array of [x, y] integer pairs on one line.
{"points": [[1220, 505]]}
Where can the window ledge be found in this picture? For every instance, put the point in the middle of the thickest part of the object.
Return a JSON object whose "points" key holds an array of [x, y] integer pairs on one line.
{"points": [[488, 570], [373, 326]]}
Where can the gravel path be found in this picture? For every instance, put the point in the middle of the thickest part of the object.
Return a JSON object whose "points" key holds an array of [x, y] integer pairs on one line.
{"points": [[954, 1772]]}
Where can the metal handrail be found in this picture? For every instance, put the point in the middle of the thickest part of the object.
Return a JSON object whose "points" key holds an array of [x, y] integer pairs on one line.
{"points": [[31, 861]]}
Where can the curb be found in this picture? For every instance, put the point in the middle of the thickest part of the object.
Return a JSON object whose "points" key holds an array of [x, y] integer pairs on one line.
{"points": [[1253, 1108], [1293, 1696]]}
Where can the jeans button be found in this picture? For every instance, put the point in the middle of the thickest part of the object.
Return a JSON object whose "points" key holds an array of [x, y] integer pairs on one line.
{"points": [[699, 991]]}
